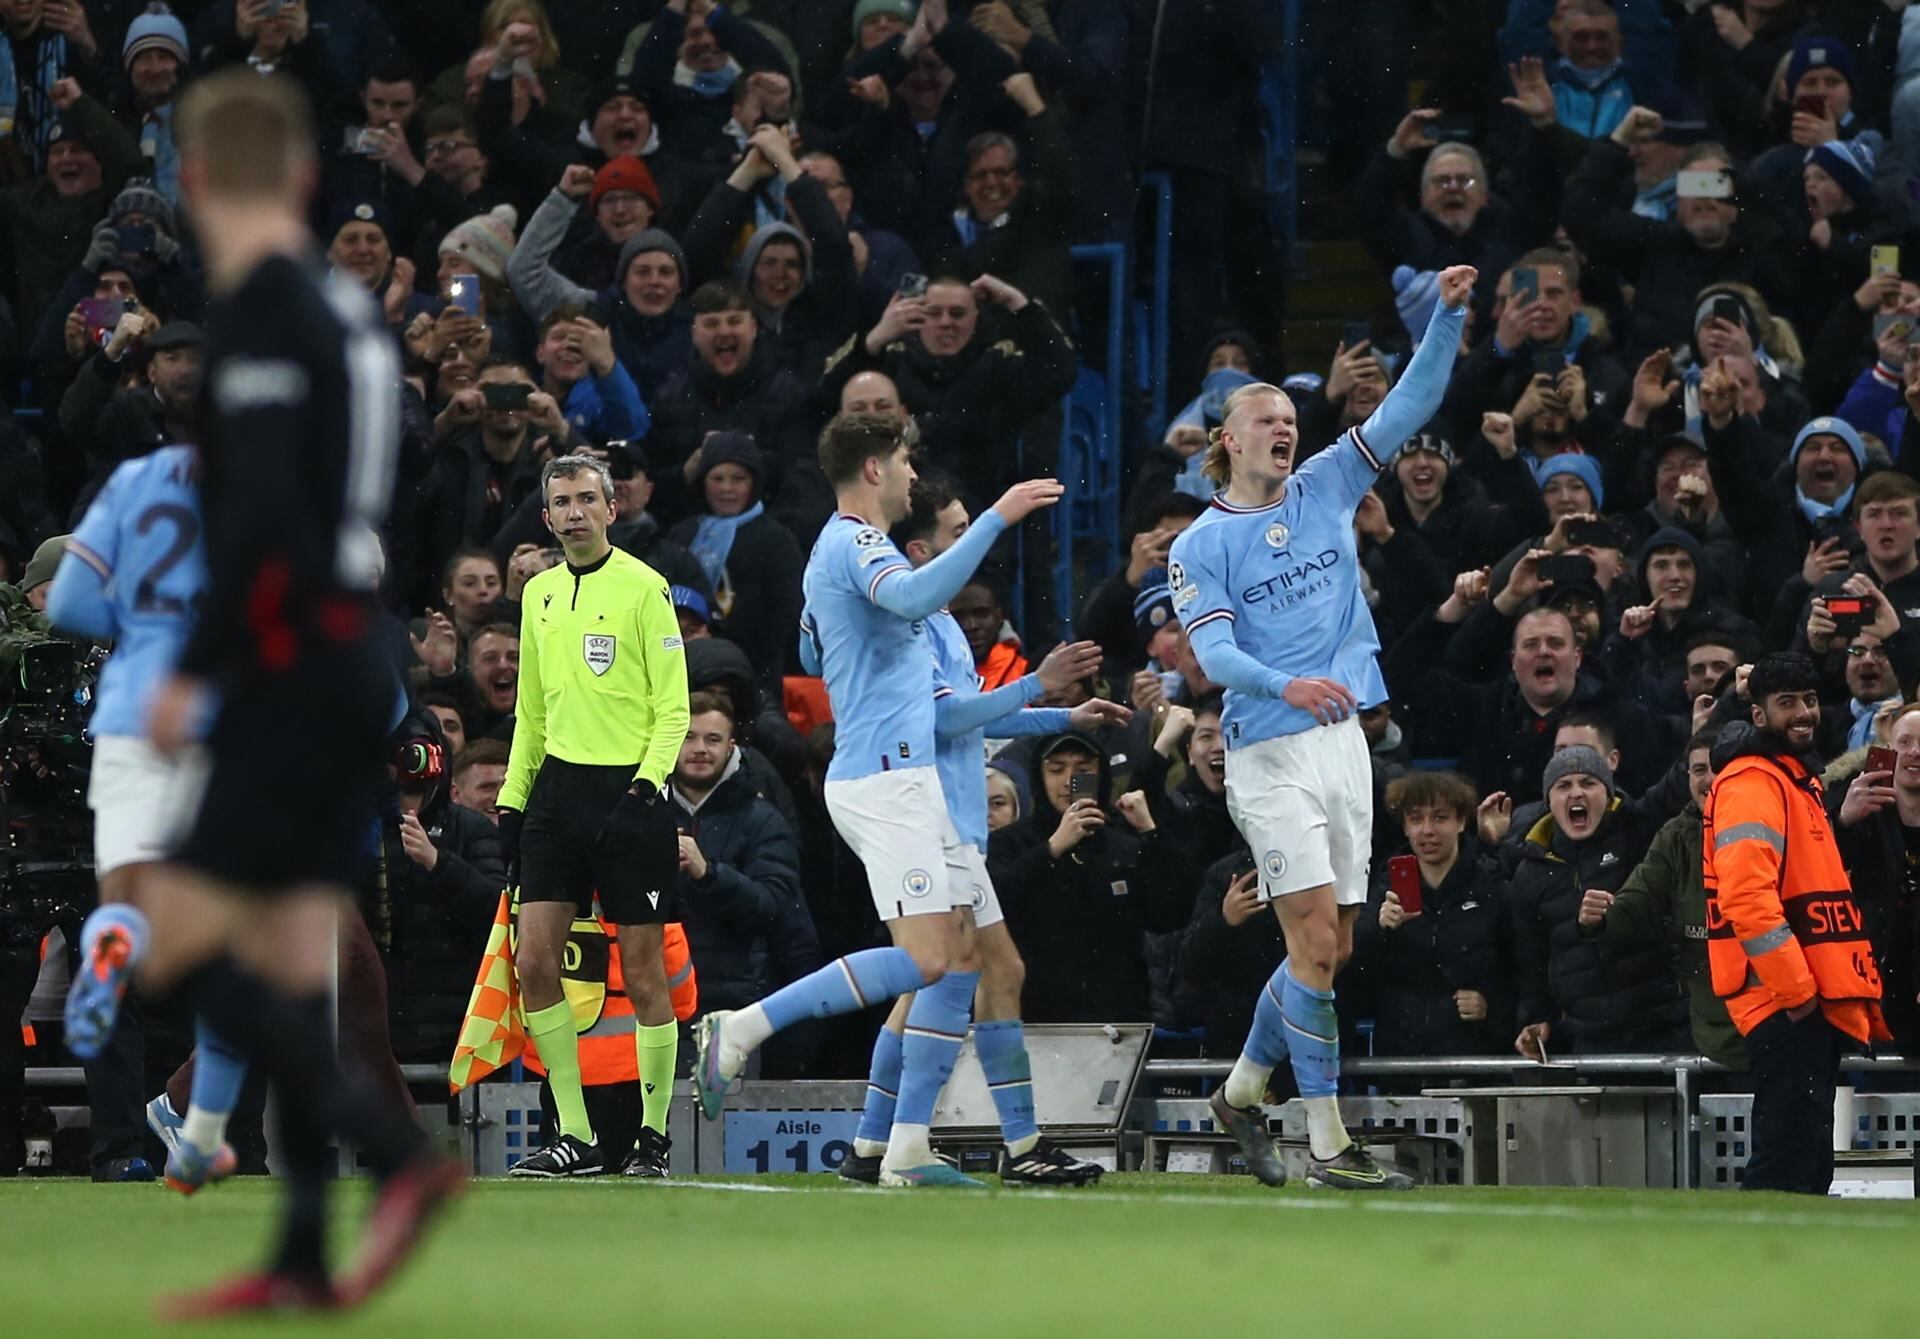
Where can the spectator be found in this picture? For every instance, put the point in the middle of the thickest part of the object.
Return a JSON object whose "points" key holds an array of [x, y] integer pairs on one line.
{"points": [[971, 392], [360, 244], [1195, 809], [1592, 92], [1664, 901], [1107, 616], [579, 371], [155, 54], [455, 180], [375, 147], [739, 863], [1009, 223], [1007, 795], [1683, 499], [881, 257], [1441, 975], [751, 562], [49, 220], [733, 384], [522, 29], [471, 587], [46, 44], [1876, 813], [1678, 604], [1579, 995], [799, 281], [1733, 54], [446, 711], [1231, 946], [1878, 662], [114, 422], [1464, 523], [477, 772], [981, 611], [1082, 879], [493, 674], [686, 67], [479, 248], [278, 38]]}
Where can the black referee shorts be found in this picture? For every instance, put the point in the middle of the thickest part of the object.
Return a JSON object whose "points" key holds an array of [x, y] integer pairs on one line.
{"points": [[298, 763], [562, 858]]}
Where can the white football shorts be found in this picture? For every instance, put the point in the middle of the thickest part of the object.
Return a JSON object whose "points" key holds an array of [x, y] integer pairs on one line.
{"points": [[1304, 802], [897, 823], [143, 801]]}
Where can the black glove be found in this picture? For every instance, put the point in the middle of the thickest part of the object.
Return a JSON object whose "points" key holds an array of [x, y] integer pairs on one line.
{"points": [[511, 821], [631, 820], [104, 250]]}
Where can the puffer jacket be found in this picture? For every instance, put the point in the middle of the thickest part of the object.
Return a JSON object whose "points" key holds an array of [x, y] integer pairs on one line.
{"points": [[753, 878], [1461, 940], [1600, 997], [1081, 920]]}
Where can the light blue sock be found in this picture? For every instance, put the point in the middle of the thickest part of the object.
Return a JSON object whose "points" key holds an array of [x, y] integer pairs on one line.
{"points": [[1313, 1035], [936, 1025], [871, 976], [218, 1073], [1002, 1048], [122, 916], [1266, 1044], [883, 1088]]}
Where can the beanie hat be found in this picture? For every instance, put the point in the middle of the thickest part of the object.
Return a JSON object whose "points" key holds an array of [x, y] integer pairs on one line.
{"points": [[1816, 51], [649, 239], [1022, 787], [1831, 427], [1850, 162], [358, 211], [40, 568], [1577, 760], [1672, 537], [139, 196], [691, 600], [1749, 319], [732, 448], [606, 90], [1302, 384], [484, 241], [904, 10], [1431, 442], [155, 30], [67, 126], [625, 173], [1153, 606], [1415, 294], [1585, 467]]}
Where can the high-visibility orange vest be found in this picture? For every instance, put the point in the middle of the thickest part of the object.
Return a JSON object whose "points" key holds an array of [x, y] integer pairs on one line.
{"points": [[1003, 665], [1782, 925], [591, 979], [804, 699]]}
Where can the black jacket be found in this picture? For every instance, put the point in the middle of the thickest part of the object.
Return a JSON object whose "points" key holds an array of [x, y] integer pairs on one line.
{"points": [[763, 400], [1224, 967], [1600, 997], [432, 927], [114, 423], [1478, 519], [1081, 921], [759, 593], [972, 407], [453, 508], [753, 878], [1461, 940], [1880, 854]]}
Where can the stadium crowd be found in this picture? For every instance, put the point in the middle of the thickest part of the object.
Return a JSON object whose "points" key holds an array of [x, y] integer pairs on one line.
{"points": [[682, 235]]}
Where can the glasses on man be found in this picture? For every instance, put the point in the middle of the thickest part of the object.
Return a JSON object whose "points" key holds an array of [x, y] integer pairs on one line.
{"points": [[447, 147], [990, 174], [1863, 652], [1456, 181]]}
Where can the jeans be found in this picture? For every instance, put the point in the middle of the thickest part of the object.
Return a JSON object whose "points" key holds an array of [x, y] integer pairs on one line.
{"points": [[1795, 1068]]}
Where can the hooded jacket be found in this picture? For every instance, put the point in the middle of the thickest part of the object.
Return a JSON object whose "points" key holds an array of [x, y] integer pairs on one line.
{"points": [[1882, 856], [1081, 920], [1461, 940], [1222, 968], [763, 400], [734, 914], [1646, 666], [1599, 996]]}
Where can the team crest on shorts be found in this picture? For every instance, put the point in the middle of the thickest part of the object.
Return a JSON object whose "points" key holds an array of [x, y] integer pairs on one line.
{"points": [[918, 883], [1278, 535], [979, 898], [598, 649], [1274, 864]]}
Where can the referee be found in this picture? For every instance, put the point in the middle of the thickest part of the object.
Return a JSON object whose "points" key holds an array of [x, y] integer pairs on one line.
{"points": [[601, 716]]}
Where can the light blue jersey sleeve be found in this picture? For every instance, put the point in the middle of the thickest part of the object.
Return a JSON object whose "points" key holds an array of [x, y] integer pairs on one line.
{"points": [[1201, 598], [1357, 458], [959, 713], [906, 592], [1030, 721], [809, 644], [78, 601]]}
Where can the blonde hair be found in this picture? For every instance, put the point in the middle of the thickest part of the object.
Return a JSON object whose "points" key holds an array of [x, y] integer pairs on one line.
{"points": [[495, 18], [1777, 335], [251, 135], [1218, 466]]}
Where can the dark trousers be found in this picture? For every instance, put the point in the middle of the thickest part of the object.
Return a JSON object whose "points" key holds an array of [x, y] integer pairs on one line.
{"points": [[1795, 1068]]}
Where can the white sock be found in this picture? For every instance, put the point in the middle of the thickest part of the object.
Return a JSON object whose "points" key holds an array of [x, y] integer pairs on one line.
{"points": [[1326, 1132], [1019, 1148], [868, 1148], [205, 1130], [908, 1146], [745, 1030], [1247, 1085]]}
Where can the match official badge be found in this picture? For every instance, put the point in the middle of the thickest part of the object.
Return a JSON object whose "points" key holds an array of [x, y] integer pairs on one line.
{"points": [[598, 650], [1278, 535], [918, 883]]}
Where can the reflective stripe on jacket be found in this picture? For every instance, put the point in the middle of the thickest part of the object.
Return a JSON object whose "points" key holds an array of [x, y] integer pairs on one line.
{"points": [[1782, 925]]}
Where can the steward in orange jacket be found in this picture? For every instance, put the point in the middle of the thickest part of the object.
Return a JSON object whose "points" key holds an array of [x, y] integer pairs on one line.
{"points": [[1786, 945]]}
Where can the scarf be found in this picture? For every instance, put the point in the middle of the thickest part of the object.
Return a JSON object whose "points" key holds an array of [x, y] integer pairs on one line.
{"points": [[1860, 733], [49, 63], [713, 541], [971, 228], [1816, 512], [157, 146], [1658, 201], [707, 83], [1566, 72]]}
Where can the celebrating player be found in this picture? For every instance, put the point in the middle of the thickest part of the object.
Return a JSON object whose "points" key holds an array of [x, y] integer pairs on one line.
{"points": [[598, 725], [1267, 585], [134, 573], [964, 718], [297, 467], [866, 608]]}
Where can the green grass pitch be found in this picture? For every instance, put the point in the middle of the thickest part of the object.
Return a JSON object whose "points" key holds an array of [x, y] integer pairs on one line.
{"points": [[1140, 1255]]}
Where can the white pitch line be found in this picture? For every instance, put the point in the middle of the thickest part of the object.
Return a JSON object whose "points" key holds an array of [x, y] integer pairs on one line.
{"points": [[1381, 1204]]}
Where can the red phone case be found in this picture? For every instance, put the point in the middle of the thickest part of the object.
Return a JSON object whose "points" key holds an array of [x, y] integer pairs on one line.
{"points": [[1882, 760], [1403, 876]]}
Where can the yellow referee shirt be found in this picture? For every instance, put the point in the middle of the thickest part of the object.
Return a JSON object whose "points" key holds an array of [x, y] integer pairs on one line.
{"points": [[603, 677]]}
